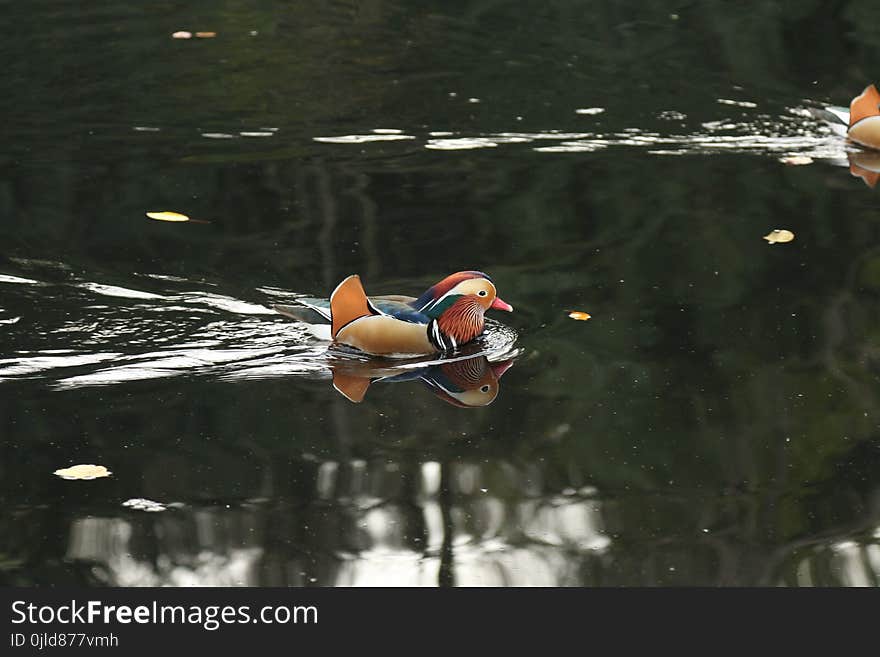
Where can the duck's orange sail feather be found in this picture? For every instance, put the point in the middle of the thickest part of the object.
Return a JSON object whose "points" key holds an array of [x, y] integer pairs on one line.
{"points": [[348, 303]]}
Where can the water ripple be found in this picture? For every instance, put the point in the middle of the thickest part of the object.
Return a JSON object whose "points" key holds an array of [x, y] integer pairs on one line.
{"points": [[168, 333], [115, 291], [16, 279], [362, 139], [794, 132]]}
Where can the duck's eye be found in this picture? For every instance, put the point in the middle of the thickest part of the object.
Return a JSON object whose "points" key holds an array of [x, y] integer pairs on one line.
{"points": [[482, 293], [485, 388]]}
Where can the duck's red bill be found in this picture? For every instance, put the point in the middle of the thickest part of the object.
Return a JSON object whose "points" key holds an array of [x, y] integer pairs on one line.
{"points": [[500, 304]]}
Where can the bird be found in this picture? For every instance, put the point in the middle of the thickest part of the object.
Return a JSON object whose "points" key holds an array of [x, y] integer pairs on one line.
{"points": [[861, 122], [466, 382], [864, 118], [446, 316]]}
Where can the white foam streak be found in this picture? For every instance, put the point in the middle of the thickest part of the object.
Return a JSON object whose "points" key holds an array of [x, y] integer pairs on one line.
{"points": [[362, 139], [16, 279], [737, 103], [794, 132], [115, 291], [13, 367], [224, 303], [463, 143]]}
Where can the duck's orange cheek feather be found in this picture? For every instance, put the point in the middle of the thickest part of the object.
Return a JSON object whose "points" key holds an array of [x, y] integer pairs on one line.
{"points": [[463, 321]]}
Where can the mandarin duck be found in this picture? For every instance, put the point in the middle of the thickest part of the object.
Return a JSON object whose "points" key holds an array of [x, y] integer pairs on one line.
{"points": [[861, 125], [861, 122], [864, 118], [446, 316], [466, 383]]}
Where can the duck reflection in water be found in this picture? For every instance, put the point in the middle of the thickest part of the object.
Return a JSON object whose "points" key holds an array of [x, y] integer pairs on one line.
{"points": [[467, 382], [865, 165]]}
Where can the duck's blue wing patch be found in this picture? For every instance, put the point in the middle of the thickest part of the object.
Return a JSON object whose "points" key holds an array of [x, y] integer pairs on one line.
{"points": [[409, 375], [437, 378], [400, 310]]}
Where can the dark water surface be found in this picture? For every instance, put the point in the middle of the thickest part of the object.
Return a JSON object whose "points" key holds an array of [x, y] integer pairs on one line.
{"points": [[716, 422]]}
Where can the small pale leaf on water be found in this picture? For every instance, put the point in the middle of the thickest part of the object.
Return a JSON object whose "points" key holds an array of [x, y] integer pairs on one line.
{"points": [[182, 34], [167, 216], [580, 315], [779, 236], [83, 471], [796, 160], [205, 35]]}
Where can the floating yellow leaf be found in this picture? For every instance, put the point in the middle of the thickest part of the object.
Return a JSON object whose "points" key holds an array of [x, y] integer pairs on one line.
{"points": [[83, 471], [167, 216], [796, 160], [182, 34], [779, 236], [580, 315], [205, 35]]}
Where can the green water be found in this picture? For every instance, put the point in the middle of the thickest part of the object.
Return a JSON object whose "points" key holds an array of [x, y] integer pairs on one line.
{"points": [[714, 423]]}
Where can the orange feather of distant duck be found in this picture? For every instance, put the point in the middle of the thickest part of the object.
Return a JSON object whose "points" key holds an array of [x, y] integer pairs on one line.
{"points": [[864, 118]]}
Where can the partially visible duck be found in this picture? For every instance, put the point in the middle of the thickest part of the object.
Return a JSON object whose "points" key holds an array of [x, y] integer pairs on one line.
{"points": [[446, 316], [864, 118], [861, 122]]}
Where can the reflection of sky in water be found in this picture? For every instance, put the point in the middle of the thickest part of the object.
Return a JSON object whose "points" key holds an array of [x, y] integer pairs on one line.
{"points": [[845, 563], [380, 536], [360, 529]]}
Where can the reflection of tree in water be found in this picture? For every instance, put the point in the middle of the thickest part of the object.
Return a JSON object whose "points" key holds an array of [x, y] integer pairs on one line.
{"points": [[381, 522]]}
